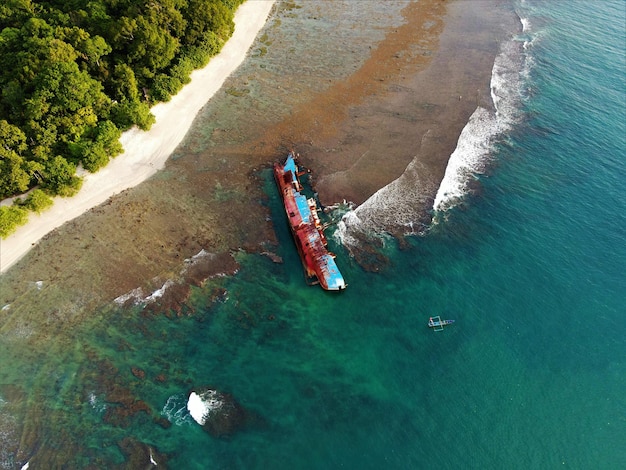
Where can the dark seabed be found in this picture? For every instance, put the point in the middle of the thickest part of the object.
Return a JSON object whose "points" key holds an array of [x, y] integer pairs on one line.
{"points": [[525, 252]]}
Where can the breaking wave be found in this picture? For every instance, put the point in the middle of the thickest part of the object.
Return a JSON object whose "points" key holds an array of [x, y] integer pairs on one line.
{"points": [[485, 127], [201, 405], [468, 159], [138, 296], [401, 203]]}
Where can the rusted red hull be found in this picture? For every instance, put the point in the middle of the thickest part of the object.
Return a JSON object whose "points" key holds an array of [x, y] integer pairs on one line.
{"points": [[308, 233]]}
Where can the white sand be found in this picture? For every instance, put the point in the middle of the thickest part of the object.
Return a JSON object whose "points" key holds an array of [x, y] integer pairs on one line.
{"points": [[145, 152]]}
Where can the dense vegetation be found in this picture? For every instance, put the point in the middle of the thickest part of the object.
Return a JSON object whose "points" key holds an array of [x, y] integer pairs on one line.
{"points": [[75, 73]]}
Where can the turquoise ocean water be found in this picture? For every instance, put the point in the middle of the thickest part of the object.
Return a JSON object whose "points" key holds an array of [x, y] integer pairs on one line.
{"points": [[530, 264]]}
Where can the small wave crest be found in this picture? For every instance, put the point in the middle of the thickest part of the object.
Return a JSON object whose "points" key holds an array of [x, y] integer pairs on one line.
{"points": [[525, 24], [530, 35], [138, 297]]}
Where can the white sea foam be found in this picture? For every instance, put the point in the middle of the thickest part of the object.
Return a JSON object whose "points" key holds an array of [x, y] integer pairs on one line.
{"points": [[468, 158], [343, 234], [201, 406], [525, 24], [529, 37], [157, 294], [475, 144], [135, 295], [37, 284], [138, 297], [200, 256], [96, 403], [175, 410], [399, 205]]}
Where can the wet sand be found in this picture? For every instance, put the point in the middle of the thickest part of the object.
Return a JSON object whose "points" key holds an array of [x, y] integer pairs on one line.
{"points": [[356, 124]]}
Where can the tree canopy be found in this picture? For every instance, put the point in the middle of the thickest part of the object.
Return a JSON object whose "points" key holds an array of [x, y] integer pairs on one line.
{"points": [[75, 73]]}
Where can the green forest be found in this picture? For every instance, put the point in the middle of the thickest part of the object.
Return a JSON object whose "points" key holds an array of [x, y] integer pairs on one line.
{"points": [[74, 74]]}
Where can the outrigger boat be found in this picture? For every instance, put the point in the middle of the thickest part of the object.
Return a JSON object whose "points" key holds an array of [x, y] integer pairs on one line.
{"points": [[437, 323]]}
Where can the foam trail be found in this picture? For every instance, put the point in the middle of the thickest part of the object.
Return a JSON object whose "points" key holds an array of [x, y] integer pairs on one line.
{"points": [[175, 410]]}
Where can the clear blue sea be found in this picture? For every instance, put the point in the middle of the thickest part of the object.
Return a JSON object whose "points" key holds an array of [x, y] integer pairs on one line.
{"points": [[529, 259]]}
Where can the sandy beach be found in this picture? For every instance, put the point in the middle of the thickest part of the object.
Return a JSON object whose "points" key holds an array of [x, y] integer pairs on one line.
{"points": [[145, 152]]}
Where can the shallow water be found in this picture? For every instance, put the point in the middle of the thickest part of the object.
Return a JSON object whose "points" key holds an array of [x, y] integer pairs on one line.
{"points": [[529, 264]]}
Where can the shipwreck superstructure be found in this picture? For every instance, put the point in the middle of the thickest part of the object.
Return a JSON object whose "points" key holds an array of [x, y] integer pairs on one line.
{"points": [[307, 229]]}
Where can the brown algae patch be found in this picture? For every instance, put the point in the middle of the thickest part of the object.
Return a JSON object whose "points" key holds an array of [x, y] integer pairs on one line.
{"points": [[321, 128], [336, 95]]}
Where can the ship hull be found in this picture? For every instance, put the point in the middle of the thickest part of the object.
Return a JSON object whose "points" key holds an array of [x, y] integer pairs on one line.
{"points": [[306, 228]]}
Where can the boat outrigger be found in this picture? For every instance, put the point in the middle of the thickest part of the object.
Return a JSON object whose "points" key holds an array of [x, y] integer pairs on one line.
{"points": [[437, 323], [306, 228]]}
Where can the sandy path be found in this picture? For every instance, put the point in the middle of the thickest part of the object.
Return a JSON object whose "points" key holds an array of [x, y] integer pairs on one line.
{"points": [[145, 152]]}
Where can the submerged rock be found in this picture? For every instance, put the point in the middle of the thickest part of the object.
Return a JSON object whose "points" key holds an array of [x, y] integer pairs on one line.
{"points": [[273, 256], [217, 412], [140, 455], [137, 372]]}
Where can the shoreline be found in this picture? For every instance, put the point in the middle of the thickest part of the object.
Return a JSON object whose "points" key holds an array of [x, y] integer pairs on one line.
{"points": [[145, 153], [209, 196]]}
